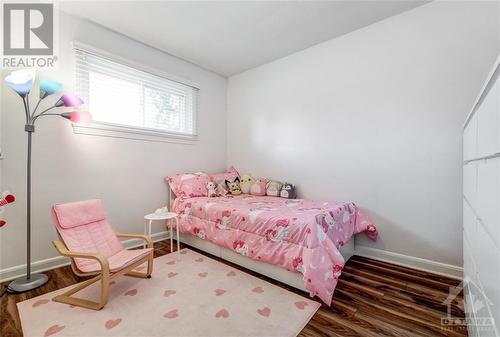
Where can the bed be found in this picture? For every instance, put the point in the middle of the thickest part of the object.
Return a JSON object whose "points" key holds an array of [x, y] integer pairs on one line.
{"points": [[296, 241]]}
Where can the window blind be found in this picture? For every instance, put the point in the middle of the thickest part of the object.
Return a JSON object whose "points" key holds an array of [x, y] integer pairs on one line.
{"points": [[121, 95]]}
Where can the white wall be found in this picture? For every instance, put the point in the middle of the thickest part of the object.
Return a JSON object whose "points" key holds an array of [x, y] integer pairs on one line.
{"points": [[126, 174], [375, 117]]}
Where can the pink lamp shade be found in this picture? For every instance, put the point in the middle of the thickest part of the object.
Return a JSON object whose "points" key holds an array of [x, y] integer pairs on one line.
{"points": [[69, 100], [78, 117]]}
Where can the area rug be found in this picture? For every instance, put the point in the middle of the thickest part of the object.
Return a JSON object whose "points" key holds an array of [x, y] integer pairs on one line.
{"points": [[190, 296]]}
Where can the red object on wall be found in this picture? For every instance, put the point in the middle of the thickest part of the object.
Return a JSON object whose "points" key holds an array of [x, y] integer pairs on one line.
{"points": [[7, 199]]}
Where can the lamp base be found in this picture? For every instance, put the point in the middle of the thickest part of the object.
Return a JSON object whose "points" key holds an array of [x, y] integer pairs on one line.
{"points": [[23, 284]]}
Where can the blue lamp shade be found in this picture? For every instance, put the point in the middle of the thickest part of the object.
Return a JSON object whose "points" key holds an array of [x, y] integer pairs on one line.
{"points": [[20, 83], [48, 87]]}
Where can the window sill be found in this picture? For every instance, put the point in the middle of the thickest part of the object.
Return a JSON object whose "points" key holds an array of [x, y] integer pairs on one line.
{"points": [[118, 131]]}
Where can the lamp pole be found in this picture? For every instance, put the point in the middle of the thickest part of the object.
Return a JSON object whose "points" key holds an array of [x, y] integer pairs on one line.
{"points": [[28, 209], [22, 83], [30, 281]]}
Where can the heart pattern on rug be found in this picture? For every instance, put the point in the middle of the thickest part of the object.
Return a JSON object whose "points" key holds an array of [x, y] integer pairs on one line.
{"points": [[264, 311], [112, 323], [222, 313], [131, 292], [301, 305], [219, 292], [53, 330], [172, 314], [39, 303], [169, 292], [264, 304], [258, 290]]}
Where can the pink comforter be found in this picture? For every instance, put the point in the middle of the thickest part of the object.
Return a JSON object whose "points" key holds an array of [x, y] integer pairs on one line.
{"points": [[296, 234]]}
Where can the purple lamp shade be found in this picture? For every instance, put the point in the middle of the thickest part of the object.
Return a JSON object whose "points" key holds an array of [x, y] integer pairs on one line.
{"points": [[78, 117], [48, 87], [69, 101], [20, 83]]}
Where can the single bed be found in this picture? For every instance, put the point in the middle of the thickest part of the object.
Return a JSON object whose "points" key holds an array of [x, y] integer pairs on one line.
{"points": [[299, 242]]}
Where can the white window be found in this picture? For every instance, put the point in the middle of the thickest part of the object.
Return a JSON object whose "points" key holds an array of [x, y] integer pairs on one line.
{"points": [[125, 98]]}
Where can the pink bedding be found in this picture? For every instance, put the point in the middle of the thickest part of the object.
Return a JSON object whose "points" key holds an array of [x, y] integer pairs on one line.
{"points": [[296, 234]]}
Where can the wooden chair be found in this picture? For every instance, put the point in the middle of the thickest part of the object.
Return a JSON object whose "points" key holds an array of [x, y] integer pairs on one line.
{"points": [[95, 250]]}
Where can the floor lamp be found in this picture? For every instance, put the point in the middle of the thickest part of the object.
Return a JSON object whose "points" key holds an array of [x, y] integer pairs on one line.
{"points": [[22, 82]]}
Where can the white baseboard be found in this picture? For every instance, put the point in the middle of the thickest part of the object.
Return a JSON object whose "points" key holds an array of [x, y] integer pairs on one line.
{"points": [[435, 267], [11, 273]]}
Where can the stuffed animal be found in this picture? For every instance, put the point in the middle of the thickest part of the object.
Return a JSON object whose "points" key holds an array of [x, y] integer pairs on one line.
{"points": [[288, 191], [6, 199], [259, 187], [234, 186], [162, 211], [246, 183], [211, 189], [273, 188], [221, 189]]}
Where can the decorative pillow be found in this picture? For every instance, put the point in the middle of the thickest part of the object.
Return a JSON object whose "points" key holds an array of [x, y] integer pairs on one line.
{"points": [[230, 175], [189, 184]]}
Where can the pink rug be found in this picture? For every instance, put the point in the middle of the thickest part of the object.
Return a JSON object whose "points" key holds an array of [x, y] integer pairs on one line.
{"points": [[193, 296]]}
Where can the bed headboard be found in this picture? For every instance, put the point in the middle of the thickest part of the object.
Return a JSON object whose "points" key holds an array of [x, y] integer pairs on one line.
{"points": [[171, 198]]}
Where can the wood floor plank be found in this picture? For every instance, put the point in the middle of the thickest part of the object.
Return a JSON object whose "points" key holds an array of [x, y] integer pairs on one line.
{"points": [[373, 299], [410, 291], [415, 319], [436, 277], [401, 322], [417, 278]]}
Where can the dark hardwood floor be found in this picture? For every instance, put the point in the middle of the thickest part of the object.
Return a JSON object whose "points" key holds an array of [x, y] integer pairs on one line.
{"points": [[372, 298]]}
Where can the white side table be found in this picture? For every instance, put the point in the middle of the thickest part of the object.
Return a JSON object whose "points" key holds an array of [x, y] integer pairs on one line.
{"points": [[166, 216]]}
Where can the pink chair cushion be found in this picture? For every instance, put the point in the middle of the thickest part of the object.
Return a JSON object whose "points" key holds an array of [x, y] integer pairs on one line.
{"points": [[118, 261], [79, 213], [95, 236]]}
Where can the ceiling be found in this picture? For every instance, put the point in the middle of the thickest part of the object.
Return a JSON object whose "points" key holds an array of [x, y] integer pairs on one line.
{"points": [[228, 37]]}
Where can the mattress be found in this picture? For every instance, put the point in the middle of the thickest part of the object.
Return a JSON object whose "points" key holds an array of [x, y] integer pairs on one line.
{"points": [[297, 234]]}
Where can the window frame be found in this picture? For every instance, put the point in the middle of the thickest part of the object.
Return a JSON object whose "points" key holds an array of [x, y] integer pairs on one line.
{"points": [[116, 130]]}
